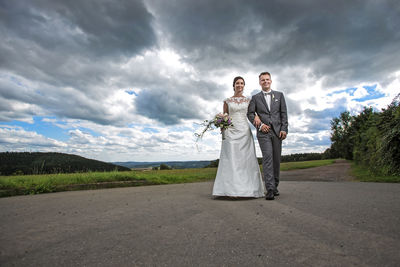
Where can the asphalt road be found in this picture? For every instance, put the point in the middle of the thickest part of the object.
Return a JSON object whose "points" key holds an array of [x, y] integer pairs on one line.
{"points": [[310, 224]]}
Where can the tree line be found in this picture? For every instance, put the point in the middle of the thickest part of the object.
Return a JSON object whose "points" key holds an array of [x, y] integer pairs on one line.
{"points": [[287, 158], [20, 163], [371, 138]]}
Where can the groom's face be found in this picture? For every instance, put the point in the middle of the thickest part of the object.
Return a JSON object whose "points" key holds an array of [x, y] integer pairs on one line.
{"points": [[265, 82]]}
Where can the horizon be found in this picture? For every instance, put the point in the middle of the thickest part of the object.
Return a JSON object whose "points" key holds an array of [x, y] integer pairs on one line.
{"points": [[122, 81], [136, 161]]}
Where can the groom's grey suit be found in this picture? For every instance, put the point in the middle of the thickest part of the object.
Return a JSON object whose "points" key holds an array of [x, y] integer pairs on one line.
{"points": [[270, 143]]}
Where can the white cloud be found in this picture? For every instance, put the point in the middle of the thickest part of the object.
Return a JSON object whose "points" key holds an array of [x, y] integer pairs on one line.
{"points": [[17, 139], [360, 92]]}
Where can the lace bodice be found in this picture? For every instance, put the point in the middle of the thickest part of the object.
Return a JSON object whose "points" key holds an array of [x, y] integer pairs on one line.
{"points": [[237, 100], [237, 107]]}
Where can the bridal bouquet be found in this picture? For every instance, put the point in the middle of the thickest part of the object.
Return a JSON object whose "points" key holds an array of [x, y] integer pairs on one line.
{"points": [[222, 121]]}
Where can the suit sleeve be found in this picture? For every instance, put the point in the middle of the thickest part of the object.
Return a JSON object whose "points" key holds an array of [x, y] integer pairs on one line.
{"points": [[251, 110], [284, 116]]}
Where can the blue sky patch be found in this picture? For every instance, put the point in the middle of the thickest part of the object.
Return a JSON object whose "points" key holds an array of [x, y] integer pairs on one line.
{"points": [[131, 92], [150, 130], [350, 91], [372, 94], [47, 129]]}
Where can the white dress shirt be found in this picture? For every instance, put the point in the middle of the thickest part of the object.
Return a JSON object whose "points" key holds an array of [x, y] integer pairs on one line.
{"points": [[268, 100]]}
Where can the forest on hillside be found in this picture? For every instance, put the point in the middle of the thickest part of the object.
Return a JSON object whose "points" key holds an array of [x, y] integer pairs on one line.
{"points": [[20, 163]]}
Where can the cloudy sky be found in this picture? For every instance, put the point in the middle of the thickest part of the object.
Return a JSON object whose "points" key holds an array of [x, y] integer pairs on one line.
{"points": [[129, 80]]}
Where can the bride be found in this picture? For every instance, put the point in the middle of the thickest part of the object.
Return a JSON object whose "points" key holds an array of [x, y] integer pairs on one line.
{"points": [[238, 172]]}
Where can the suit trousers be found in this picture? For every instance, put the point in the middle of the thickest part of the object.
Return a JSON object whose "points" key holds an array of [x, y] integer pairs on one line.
{"points": [[271, 147]]}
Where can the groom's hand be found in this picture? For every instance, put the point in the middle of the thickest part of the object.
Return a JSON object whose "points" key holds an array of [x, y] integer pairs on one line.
{"points": [[265, 128], [282, 135], [257, 121]]}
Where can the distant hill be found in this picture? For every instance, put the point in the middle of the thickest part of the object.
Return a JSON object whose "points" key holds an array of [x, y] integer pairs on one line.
{"points": [[214, 163], [173, 164], [12, 163]]}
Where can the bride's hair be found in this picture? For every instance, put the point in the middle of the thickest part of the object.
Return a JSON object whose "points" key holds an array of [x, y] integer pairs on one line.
{"points": [[237, 78]]}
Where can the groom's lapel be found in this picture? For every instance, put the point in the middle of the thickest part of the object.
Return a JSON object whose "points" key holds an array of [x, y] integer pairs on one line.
{"points": [[273, 95], [263, 100]]}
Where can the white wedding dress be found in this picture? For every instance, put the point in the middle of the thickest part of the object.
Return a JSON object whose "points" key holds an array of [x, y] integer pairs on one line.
{"points": [[238, 172]]}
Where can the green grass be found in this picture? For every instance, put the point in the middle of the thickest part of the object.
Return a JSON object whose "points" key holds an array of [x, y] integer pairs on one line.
{"points": [[287, 166], [364, 175], [178, 176], [36, 184]]}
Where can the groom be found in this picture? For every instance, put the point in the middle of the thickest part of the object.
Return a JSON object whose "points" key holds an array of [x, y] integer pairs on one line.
{"points": [[272, 125]]}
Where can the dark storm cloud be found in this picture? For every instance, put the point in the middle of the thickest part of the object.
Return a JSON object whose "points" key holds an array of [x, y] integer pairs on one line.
{"points": [[318, 125], [70, 103], [342, 41], [98, 28], [167, 107], [320, 119], [293, 106], [69, 43], [68, 50], [325, 113], [171, 101]]}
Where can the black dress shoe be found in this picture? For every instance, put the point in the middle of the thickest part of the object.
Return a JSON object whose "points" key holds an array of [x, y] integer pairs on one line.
{"points": [[270, 195], [276, 193]]}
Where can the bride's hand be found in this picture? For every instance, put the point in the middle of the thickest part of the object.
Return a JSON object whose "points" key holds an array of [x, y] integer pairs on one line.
{"points": [[257, 122]]}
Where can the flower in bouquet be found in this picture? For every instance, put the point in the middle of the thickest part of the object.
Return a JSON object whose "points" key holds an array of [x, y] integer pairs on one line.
{"points": [[221, 121]]}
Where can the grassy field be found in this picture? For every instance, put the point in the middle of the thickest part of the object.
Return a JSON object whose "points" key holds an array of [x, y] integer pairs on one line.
{"points": [[364, 175], [287, 166], [36, 184]]}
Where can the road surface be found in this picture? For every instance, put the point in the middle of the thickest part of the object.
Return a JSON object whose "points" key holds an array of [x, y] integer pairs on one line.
{"points": [[312, 223]]}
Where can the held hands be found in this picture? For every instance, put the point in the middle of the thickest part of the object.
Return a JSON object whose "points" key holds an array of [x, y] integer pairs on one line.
{"points": [[265, 128], [259, 125]]}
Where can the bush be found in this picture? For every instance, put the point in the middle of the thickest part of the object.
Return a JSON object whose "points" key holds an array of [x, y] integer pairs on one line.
{"points": [[165, 167]]}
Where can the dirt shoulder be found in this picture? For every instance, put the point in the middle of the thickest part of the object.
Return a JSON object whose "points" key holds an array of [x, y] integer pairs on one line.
{"points": [[337, 172]]}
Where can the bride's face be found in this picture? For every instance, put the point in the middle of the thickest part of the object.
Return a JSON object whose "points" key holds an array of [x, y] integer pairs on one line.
{"points": [[239, 86]]}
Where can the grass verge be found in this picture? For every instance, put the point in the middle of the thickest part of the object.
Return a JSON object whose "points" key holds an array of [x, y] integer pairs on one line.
{"points": [[36, 184], [362, 174]]}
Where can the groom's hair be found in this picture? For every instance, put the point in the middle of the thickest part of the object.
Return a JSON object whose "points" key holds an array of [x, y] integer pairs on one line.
{"points": [[237, 78], [264, 73]]}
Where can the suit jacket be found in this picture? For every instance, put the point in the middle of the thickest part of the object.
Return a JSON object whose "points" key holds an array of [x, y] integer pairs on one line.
{"points": [[276, 118]]}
